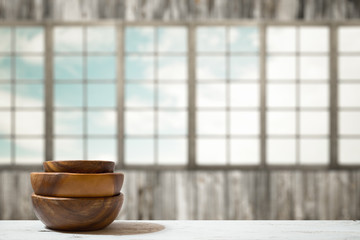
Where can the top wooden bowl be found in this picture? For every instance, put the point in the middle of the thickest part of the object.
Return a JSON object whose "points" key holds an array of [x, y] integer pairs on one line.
{"points": [[79, 166]]}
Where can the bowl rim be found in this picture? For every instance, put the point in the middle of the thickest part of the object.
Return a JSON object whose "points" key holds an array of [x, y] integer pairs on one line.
{"points": [[120, 195], [77, 174], [82, 161]]}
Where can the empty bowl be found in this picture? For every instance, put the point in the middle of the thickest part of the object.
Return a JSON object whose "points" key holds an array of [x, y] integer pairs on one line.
{"points": [[76, 184], [79, 166], [77, 214]]}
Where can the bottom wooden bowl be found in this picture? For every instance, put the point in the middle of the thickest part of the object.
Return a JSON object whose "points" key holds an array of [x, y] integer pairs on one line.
{"points": [[77, 214]]}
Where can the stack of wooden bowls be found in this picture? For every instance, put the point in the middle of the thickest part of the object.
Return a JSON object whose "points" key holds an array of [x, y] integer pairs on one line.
{"points": [[77, 195]]}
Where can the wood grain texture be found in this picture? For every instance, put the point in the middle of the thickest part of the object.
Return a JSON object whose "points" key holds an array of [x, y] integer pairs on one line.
{"points": [[267, 195], [77, 184], [179, 10], [79, 166], [77, 214]]}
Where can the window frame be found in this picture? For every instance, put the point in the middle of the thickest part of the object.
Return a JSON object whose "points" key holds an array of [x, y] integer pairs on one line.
{"points": [[191, 26]]}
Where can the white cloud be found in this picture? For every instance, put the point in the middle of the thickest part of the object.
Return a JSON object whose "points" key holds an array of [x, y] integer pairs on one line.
{"points": [[172, 39]]}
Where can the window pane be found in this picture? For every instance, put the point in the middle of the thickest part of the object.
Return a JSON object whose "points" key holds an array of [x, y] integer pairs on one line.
{"points": [[349, 123], [210, 39], [281, 95], [29, 67], [172, 151], [314, 68], [172, 39], [349, 95], [29, 95], [139, 68], [314, 39], [68, 95], [349, 68], [5, 122], [281, 68], [68, 68], [348, 39], [69, 149], [101, 95], [172, 95], [134, 156], [5, 67], [281, 39], [5, 95], [281, 123], [139, 39], [314, 151], [139, 95], [349, 151], [244, 123], [281, 151], [211, 95], [211, 123], [5, 153], [244, 68], [101, 67], [211, 68], [102, 149], [29, 123], [211, 151], [139, 123], [314, 95], [101, 39], [172, 68], [69, 123], [244, 151], [5, 33], [68, 39], [244, 95], [172, 123], [244, 39], [314, 123], [101, 122], [29, 39], [29, 151]]}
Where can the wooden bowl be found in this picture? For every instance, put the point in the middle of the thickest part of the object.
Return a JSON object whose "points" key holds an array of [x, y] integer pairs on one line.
{"points": [[79, 166], [77, 214], [76, 184]]}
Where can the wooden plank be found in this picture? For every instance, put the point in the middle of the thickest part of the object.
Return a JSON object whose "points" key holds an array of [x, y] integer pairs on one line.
{"points": [[165, 196], [241, 201], [322, 195], [357, 194], [315, 9], [185, 195], [261, 207], [334, 211], [129, 209], [298, 196], [309, 193], [210, 195], [24, 190], [9, 196]]}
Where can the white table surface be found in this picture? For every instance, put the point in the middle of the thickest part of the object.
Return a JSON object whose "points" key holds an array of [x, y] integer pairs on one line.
{"points": [[188, 230]]}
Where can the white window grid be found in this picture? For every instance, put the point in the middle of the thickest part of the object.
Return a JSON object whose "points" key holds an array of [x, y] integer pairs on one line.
{"points": [[333, 27]]}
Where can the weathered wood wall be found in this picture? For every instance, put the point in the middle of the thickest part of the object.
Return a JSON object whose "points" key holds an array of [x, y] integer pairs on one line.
{"points": [[202, 194], [215, 195], [134, 10]]}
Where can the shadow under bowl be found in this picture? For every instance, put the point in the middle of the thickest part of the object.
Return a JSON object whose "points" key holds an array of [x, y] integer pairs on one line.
{"points": [[76, 184], [79, 166], [77, 214]]}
